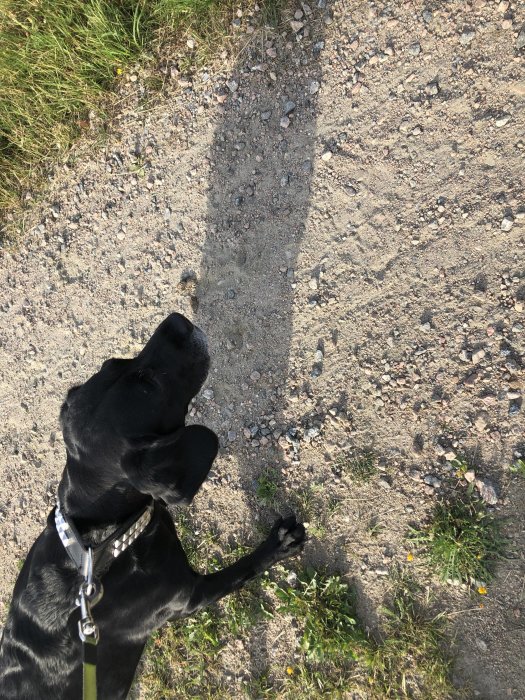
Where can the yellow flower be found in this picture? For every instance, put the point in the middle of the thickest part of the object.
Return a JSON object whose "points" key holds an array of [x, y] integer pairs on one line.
{"points": [[410, 556], [119, 71], [482, 590], [289, 670]]}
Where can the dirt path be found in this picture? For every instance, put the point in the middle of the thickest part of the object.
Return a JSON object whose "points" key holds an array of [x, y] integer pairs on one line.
{"points": [[349, 226]]}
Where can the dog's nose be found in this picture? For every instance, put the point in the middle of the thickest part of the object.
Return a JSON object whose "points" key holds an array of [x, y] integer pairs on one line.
{"points": [[177, 327]]}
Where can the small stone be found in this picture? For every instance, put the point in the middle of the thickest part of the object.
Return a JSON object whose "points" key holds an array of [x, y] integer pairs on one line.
{"points": [[507, 223], [467, 36], [427, 16], [414, 49], [487, 491], [520, 41], [514, 408], [289, 107], [382, 571], [255, 376], [190, 43], [284, 122], [513, 395], [266, 115], [296, 25], [318, 356], [432, 481], [384, 483], [469, 476], [232, 435], [208, 394], [313, 283], [314, 87], [481, 421], [502, 120], [519, 306], [298, 14], [426, 327], [327, 155], [232, 85], [450, 455], [478, 355], [271, 52], [432, 89], [440, 450]]}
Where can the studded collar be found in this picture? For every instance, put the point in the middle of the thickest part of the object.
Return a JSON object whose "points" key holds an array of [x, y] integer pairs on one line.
{"points": [[107, 551]]}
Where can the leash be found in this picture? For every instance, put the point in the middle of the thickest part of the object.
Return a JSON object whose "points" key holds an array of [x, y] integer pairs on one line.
{"points": [[91, 590]]}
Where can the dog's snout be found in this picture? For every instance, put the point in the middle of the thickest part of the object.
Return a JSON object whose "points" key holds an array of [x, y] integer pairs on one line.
{"points": [[178, 327]]}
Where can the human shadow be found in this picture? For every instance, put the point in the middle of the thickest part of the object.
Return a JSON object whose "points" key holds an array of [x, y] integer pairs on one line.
{"points": [[261, 159]]}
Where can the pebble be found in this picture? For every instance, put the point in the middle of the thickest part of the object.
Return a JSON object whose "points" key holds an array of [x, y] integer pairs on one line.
{"points": [[467, 36], [481, 421], [478, 355], [426, 327], [289, 107], [284, 122], [507, 223], [208, 394], [501, 121], [427, 16], [514, 408], [314, 87], [382, 571], [414, 49], [327, 155], [255, 376], [520, 41], [469, 476], [513, 395], [450, 456], [384, 483], [296, 25], [487, 491], [440, 450], [232, 435], [266, 115], [271, 52], [432, 481]]}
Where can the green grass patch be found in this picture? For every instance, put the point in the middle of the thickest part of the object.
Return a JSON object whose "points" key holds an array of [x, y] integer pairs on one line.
{"points": [[60, 60], [361, 468], [462, 540], [518, 467], [267, 486]]}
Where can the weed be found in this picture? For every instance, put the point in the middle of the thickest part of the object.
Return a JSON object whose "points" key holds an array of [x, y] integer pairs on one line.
{"points": [[360, 468], [518, 467], [267, 486], [462, 540], [411, 659]]}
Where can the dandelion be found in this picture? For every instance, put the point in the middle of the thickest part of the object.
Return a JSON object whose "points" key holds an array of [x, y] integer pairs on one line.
{"points": [[119, 71], [482, 590], [289, 670], [410, 556]]}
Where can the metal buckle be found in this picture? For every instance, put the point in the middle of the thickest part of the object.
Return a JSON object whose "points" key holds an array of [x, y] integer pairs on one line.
{"points": [[89, 594]]}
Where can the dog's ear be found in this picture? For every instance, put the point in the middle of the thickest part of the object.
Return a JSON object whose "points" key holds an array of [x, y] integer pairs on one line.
{"points": [[173, 468]]}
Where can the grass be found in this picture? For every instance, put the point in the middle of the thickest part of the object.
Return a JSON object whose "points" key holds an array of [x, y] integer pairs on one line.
{"points": [[335, 654], [462, 540], [267, 486], [518, 467], [61, 60], [361, 468]]}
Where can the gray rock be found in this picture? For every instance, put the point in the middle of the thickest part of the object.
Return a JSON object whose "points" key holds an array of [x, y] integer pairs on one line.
{"points": [[432, 481], [467, 36], [487, 491], [208, 394], [289, 107], [520, 41], [427, 16], [507, 223], [414, 49], [266, 115]]}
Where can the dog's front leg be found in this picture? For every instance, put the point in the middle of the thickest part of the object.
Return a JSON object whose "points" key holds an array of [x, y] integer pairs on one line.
{"points": [[285, 539]]}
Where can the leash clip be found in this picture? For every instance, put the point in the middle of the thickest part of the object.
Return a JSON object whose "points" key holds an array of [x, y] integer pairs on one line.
{"points": [[89, 595]]}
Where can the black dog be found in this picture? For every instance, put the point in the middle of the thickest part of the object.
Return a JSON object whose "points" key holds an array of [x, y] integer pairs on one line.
{"points": [[128, 455]]}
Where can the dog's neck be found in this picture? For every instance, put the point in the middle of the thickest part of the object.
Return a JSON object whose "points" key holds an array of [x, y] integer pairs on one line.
{"points": [[94, 503]]}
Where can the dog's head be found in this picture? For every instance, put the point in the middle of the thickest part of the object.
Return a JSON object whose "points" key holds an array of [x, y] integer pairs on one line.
{"points": [[127, 421]]}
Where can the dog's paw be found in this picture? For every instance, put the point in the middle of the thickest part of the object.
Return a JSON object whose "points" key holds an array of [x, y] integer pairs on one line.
{"points": [[287, 537]]}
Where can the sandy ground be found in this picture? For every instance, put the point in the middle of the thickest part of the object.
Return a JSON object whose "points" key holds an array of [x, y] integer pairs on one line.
{"points": [[358, 266]]}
